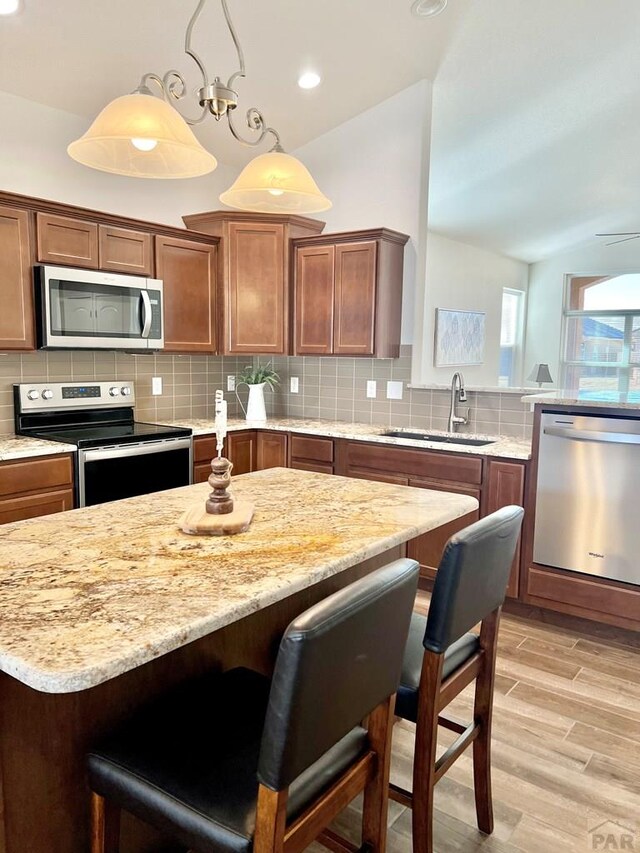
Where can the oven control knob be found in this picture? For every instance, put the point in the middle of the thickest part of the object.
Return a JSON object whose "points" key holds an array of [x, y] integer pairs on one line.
{"points": [[47, 394], [125, 391], [33, 394], [114, 391]]}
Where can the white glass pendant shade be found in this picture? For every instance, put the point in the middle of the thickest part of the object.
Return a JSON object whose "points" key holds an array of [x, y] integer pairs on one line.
{"points": [[275, 183], [143, 137]]}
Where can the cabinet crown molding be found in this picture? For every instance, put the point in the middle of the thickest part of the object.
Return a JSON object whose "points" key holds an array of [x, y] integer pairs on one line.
{"points": [[200, 221], [349, 236]]}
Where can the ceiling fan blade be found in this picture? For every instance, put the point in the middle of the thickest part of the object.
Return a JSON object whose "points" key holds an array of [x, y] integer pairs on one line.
{"points": [[617, 233], [624, 240]]}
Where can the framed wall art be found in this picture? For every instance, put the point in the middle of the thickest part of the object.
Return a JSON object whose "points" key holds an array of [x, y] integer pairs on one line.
{"points": [[459, 337]]}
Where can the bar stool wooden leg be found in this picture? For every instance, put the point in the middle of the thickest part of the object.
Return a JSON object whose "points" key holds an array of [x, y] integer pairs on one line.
{"points": [[376, 793], [105, 825], [424, 761], [483, 712], [271, 819]]}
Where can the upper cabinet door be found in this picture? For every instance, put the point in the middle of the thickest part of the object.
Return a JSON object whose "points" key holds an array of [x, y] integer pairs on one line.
{"points": [[314, 300], [256, 315], [16, 288], [188, 270], [66, 241], [126, 251], [355, 298]]}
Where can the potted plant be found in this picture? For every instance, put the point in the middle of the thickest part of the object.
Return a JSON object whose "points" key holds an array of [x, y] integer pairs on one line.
{"points": [[256, 377]]}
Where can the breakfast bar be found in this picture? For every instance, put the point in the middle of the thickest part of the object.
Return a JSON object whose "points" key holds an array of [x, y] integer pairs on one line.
{"points": [[106, 607]]}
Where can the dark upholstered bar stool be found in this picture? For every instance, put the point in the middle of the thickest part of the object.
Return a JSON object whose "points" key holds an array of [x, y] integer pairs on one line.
{"points": [[443, 656], [234, 762]]}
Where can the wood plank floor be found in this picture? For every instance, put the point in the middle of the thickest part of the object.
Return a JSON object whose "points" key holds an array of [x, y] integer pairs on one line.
{"points": [[566, 752]]}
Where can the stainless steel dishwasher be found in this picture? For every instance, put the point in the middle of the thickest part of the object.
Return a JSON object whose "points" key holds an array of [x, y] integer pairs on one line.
{"points": [[587, 517]]}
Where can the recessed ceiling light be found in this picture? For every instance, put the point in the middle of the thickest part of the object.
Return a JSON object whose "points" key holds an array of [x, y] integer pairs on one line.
{"points": [[308, 80], [428, 8], [8, 7]]}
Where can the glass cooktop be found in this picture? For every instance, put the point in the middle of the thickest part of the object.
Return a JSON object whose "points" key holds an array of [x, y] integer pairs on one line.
{"points": [[97, 435]]}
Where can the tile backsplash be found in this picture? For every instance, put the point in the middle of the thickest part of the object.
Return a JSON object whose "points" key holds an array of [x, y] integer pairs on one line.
{"points": [[335, 388], [330, 388], [189, 381]]}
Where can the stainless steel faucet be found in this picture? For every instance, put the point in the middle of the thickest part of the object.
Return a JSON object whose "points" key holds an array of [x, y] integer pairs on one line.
{"points": [[458, 394]]}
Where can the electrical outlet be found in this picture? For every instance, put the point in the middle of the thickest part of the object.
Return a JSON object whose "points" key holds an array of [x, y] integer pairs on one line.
{"points": [[231, 383], [371, 388], [394, 390], [294, 384], [156, 385]]}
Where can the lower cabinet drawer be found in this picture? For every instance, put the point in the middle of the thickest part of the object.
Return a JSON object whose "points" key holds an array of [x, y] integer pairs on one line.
{"points": [[314, 449], [31, 506], [317, 467], [27, 475], [204, 449]]}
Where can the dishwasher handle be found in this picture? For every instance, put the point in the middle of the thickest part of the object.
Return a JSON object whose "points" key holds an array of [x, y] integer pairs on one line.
{"points": [[593, 435]]}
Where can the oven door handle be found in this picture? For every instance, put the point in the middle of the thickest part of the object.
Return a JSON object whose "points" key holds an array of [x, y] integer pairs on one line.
{"points": [[146, 313], [137, 450]]}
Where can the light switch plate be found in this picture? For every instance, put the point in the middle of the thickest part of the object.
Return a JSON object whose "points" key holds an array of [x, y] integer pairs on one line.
{"points": [[394, 390], [156, 385], [294, 384], [371, 388], [231, 383]]}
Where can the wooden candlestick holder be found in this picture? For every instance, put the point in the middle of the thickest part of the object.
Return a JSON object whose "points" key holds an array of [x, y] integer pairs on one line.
{"points": [[220, 515]]}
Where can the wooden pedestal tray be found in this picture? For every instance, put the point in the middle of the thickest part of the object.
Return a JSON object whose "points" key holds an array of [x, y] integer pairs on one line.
{"points": [[220, 515]]}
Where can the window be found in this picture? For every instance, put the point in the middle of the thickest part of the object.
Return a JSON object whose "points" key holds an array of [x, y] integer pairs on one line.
{"points": [[602, 333], [510, 336]]}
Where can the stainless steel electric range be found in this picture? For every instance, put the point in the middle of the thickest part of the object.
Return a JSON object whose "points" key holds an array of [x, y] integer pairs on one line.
{"points": [[117, 456]]}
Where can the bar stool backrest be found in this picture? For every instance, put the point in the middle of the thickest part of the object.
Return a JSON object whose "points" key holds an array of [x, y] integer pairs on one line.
{"points": [[472, 577], [336, 662]]}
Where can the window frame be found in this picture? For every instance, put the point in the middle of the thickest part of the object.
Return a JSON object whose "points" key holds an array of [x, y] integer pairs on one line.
{"points": [[518, 347]]}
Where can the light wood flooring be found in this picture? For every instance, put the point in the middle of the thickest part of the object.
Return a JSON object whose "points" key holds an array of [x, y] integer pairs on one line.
{"points": [[566, 751]]}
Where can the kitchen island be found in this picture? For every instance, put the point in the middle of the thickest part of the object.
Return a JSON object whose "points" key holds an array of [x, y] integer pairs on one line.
{"points": [[105, 607]]}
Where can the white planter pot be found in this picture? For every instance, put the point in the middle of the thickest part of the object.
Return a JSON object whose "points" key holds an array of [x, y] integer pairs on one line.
{"points": [[255, 411]]}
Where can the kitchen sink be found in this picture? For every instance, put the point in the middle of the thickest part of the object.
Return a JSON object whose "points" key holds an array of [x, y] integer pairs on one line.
{"points": [[444, 439]]}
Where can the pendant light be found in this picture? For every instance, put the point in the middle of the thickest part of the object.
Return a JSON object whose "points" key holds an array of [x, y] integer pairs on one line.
{"points": [[144, 136]]}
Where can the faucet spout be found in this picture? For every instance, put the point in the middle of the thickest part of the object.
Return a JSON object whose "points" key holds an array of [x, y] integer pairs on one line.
{"points": [[458, 394]]}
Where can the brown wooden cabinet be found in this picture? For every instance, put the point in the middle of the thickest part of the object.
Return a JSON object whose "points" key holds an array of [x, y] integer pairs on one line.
{"points": [[17, 323], [308, 453], [242, 451], [125, 251], [188, 270], [255, 279], [271, 450], [66, 241], [505, 486], [348, 293], [33, 487]]}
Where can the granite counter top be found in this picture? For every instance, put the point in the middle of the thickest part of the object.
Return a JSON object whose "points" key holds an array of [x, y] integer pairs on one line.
{"points": [[510, 448], [593, 399], [20, 447], [89, 594]]}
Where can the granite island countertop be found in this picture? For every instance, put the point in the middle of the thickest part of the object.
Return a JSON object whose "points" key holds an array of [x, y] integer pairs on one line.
{"points": [[501, 446], [89, 594]]}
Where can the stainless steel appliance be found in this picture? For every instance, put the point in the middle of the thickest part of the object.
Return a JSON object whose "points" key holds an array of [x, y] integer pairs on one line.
{"points": [[117, 457], [587, 496], [97, 310]]}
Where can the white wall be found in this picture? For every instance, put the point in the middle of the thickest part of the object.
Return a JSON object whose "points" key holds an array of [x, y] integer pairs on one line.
{"points": [[375, 170], [466, 278], [546, 290], [34, 161]]}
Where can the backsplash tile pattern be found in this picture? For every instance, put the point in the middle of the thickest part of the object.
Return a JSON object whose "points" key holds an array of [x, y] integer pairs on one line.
{"points": [[335, 388], [330, 388], [189, 381]]}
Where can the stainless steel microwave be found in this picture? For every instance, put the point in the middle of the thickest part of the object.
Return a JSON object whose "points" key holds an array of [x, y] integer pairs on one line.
{"points": [[85, 309]]}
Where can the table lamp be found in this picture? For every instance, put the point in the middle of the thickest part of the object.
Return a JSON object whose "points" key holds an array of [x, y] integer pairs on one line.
{"points": [[540, 374]]}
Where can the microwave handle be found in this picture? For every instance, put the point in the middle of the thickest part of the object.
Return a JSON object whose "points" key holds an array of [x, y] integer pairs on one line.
{"points": [[146, 313]]}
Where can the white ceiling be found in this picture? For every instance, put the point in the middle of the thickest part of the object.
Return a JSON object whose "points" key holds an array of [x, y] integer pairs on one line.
{"points": [[536, 127]]}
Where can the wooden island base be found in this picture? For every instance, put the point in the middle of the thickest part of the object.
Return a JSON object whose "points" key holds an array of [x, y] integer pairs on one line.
{"points": [[45, 736]]}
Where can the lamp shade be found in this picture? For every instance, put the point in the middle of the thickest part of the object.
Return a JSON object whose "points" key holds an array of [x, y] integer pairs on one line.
{"points": [[142, 136], [539, 374], [275, 183]]}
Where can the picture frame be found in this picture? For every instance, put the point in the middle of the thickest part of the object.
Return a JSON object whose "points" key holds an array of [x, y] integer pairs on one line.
{"points": [[459, 337]]}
